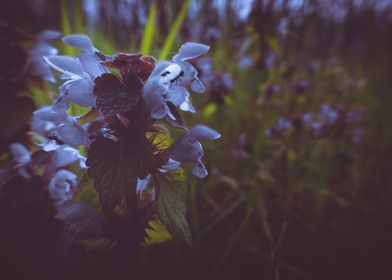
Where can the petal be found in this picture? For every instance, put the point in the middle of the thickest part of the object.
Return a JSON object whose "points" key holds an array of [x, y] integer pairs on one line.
{"points": [[79, 91], [47, 113], [186, 149], [201, 132], [177, 95], [159, 67], [66, 155], [20, 154], [169, 73], [158, 112], [171, 164], [189, 72], [79, 41], [91, 65], [50, 145], [71, 134], [69, 66], [191, 50], [60, 104], [61, 185], [40, 126], [47, 35], [197, 85], [199, 169], [142, 184], [187, 106]]}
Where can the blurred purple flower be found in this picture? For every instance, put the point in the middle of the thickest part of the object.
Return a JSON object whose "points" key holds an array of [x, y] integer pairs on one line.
{"points": [[328, 114], [38, 51], [20, 154], [356, 135]]}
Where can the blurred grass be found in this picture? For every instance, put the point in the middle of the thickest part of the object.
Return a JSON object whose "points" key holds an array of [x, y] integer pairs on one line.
{"points": [[149, 30], [167, 48]]}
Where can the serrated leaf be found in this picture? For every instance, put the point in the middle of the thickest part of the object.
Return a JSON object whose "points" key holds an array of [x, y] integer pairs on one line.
{"points": [[115, 166], [113, 96], [156, 233], [171, 205]]}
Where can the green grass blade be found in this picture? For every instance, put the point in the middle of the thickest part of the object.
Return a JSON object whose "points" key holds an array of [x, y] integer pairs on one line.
{"points": [[78, 18], [66, 28], [68, 50], [168, 45], [149, 30]]}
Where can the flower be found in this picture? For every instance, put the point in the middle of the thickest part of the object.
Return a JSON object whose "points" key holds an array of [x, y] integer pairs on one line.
{"points": [[38, 51], [328, 114], [165, 88], [62, 186], [80, 71], [189, 149], [20, 154]]}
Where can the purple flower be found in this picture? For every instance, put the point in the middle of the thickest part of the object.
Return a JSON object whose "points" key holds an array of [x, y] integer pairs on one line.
{"points": [[62, 185], [20, 154], [328, 114], [79, 72], [38, 51], [189, 149], [167, 82], [307, 118]]}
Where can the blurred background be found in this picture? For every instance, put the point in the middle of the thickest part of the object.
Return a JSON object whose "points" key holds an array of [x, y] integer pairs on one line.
{"points": [[300, 183]]}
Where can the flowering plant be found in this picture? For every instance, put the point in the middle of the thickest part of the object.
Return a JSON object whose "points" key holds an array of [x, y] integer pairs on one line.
{"points": [[135, 166]]}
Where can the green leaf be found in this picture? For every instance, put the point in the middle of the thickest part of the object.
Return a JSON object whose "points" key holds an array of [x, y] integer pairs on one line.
{"points": [[156, 233], [171, 205], [66, 28], [168, 45], [149, 30], [115, 166]]}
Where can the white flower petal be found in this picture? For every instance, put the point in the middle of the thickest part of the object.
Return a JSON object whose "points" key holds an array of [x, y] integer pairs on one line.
{"points": [[61, 185], [177, 95], [201, 132], [66, 155], [169, 73], [199, 169], [47, 113], [50, 145], [79, 91], [159, 67], [69, 66], [191, 50], [171, 164], [79, 41], [91, 65], [197, 85], [71, 134]]}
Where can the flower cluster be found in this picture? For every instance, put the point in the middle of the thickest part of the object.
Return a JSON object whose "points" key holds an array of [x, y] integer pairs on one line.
{"points": [[128, 94], [330, 120]]}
